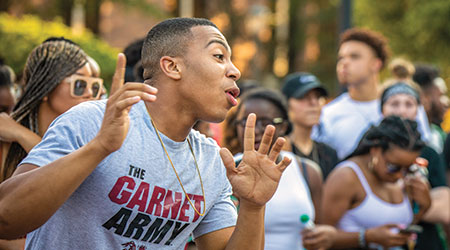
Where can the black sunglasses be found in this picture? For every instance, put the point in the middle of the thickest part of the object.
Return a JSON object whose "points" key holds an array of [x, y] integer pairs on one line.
{"points": [[392, 168]]}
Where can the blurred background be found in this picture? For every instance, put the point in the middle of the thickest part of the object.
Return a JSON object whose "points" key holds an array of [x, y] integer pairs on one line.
{"points": [[269, 38]]}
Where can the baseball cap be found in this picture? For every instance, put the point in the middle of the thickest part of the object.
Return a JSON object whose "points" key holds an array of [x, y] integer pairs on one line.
{"points": [[297, 85]]}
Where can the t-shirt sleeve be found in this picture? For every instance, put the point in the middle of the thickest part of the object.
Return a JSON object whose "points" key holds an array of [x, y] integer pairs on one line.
{"points": [[222, 214], [67, 133]]}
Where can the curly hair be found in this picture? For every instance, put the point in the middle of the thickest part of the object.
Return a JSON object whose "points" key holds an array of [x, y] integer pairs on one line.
{"points": [[373, 39]]}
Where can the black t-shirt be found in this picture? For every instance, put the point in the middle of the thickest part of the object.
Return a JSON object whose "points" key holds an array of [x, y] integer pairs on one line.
{"points": [[436, 167], [430, 237], [446, 153], [322, 154]]}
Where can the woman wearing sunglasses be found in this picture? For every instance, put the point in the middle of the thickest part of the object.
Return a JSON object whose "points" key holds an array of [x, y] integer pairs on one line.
{"points": [[57, 76], [365, 196], [403, 100], [300, 187]]}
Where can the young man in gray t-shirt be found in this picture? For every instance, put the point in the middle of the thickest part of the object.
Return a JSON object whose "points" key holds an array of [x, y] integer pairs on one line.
{"points": [[130, 173]]}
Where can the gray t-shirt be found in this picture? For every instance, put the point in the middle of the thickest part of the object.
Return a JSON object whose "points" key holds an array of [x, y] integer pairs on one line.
{"points": [[133, 200]]}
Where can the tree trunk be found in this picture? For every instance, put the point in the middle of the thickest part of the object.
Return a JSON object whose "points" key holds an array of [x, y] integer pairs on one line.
{"points": [[93, 15], [4, 5]]}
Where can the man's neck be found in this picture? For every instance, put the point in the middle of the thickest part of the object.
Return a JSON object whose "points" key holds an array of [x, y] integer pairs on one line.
{"points": [[364, 92], [165, 113], [301, 137]]}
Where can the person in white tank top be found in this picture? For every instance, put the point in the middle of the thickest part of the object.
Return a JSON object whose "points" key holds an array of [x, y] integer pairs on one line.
{"points": [[402, 98], [295, 195], [365, 196]]}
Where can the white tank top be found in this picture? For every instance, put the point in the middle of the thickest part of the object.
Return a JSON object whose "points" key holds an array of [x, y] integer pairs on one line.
{"points": [[373, 211], [282, 217]]}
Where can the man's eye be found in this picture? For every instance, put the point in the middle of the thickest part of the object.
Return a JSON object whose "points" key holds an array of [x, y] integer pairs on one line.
{"points": [[219, 56]]}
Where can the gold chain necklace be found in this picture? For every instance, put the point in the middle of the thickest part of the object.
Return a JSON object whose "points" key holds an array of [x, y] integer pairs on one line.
{"points": [[176, 173]]}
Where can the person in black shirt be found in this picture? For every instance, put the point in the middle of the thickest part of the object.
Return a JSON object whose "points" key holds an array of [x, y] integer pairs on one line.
{"points": [[305, 96]]}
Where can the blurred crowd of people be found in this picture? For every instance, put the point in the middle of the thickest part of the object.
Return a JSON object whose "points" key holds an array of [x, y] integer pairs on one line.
{"points": [[370, 168]]}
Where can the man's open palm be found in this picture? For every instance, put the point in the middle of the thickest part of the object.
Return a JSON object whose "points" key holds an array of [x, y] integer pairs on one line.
{"points": [[256, 178]]}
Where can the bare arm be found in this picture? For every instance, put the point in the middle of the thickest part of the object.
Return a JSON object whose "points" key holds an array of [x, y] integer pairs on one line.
{"points": [[33, 194], [11, 131], [338, 196], [243, 236], [439, 211], [29, 199]]}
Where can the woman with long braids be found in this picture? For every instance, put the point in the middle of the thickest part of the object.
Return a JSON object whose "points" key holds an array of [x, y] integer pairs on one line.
{"points": [[366, 196], [57, 76]]}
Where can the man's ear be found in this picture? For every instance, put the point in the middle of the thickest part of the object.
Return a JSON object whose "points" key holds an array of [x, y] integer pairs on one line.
{"points": [[377, 65], [170, 67]]}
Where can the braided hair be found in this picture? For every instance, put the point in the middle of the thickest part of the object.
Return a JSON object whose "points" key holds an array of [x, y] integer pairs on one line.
{"points": [[47, 65], [393, 130]]}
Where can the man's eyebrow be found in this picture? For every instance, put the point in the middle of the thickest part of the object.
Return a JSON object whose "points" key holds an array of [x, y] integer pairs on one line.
{"points": [[221, 42]]}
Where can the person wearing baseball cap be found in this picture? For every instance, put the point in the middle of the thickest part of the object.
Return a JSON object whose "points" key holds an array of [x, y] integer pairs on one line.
{"points": [[297, 85], [306, 96]]}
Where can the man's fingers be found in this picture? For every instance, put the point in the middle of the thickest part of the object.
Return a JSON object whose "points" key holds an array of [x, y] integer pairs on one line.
{"points": [[284, 163], [145, 91], [249, 133], [143, 95], [227, 159], [126, 103], [266, 140], [119, 74], [276, 148]]}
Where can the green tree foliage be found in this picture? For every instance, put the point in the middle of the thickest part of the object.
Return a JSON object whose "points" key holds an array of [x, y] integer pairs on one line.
{"points": [[18, 36], [51, 9], [417, 30]]}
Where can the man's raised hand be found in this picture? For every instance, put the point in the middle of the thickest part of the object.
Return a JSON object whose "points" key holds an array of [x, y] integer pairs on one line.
{"points": [[256, 178], [116, 121]]}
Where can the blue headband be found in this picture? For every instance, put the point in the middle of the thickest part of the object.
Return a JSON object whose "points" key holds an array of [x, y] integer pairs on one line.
{"points": [[399, 88]]}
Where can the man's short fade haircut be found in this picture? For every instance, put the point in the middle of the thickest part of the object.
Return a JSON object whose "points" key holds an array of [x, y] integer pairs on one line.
{"points": [[425, 75], [373, 39], [168, 38]]}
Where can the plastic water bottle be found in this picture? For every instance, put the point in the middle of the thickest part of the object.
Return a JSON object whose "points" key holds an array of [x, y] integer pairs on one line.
{"points": [[419, 169], [307, 222]]}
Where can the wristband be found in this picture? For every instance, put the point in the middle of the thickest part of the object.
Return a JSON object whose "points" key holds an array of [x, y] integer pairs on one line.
{"points": [[362, 238]]}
